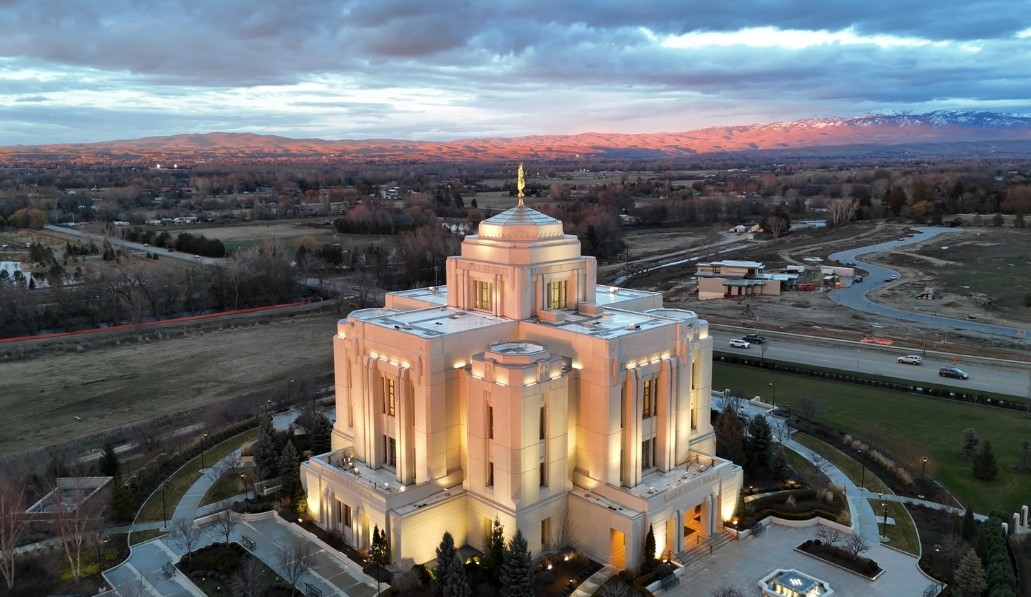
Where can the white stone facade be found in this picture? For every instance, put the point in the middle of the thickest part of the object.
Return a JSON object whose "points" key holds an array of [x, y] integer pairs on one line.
{"points": [[575, 412]]}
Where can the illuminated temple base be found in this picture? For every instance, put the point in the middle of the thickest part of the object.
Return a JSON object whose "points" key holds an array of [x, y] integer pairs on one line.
{"points": [[523, 391]]}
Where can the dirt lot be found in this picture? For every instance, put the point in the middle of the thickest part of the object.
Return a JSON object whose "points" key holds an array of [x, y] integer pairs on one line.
{"points": [[995, 292], [140, 379]]}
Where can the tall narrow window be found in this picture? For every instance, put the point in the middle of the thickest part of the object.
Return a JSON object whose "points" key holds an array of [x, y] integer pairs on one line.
{"points": [[557, 294], [543, 423], [648, 399], [647, 454], [622, 406], [481, 295], [389, 451], [490, 474], [389, 400], [490, 422], [545, 533], [544, 474], [347, 515]]}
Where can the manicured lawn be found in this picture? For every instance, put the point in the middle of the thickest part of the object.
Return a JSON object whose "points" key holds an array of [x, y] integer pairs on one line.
{"points": [[185, 477], [142, 536], [228, 485], [902, 535], [909, 427], [852, 468]]}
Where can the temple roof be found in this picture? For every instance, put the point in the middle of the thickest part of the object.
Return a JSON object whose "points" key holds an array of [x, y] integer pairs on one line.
{"points": [[520, 223]]}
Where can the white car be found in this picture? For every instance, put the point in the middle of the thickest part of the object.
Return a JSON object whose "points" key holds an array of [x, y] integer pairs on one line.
{"points": [[911, 359], [738, 343]]}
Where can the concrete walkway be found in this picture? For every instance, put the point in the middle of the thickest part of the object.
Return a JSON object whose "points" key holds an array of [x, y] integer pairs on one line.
{"points": [[740, 564], [142, 574]]}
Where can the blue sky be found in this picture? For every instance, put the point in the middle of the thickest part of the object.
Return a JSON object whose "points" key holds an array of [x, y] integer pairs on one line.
{"points": [[93, 70]]}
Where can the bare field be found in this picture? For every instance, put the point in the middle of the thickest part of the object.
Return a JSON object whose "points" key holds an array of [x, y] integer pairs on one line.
{"points": [[252, 233], [138, 380]]}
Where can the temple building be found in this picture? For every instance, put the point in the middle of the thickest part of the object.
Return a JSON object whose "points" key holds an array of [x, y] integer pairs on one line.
{"points": [[525, 391]]}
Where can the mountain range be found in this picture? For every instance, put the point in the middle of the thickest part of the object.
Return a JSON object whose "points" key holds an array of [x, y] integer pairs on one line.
{"points": [[940, 133]]}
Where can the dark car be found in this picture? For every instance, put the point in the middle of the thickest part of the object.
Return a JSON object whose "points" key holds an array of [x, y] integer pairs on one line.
{"points": [[857, 279], [754, 339], [953, 372]]}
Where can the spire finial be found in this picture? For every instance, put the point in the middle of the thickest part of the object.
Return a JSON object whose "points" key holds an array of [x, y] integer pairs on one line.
{"points": [[520, 184]]}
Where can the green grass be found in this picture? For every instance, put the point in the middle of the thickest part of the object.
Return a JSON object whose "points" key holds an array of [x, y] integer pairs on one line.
{"points": [[185, 477], [908, 426], [805, 469], [228, 485], [142, 536], [853, 469], [903, 534]]}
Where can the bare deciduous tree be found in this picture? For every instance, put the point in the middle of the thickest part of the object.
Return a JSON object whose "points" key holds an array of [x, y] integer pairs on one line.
{"points": [[829, 536], [810, 407], [727, 591], [776, 226], [249, 580], [186, 533], [841, 211], [617, 589], [295, 560], [13, 520], [73, 517], [226, 520], [855, 544]]}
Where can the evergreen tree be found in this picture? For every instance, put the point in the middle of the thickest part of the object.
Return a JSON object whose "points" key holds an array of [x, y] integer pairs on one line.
{"points": [[517, 569], [969, 576], [730, 437], [123, 504], [109, 465], [449, 571], [290, 476], [986, 467], [494, 550], [321, 435], [649, 546], [266, 451], [379, 551], [780, 466], [970, 441], [967, 528], [758, 443]]}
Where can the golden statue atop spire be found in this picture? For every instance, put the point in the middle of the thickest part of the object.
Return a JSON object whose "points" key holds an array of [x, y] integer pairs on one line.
{"points": [[520, 184]]}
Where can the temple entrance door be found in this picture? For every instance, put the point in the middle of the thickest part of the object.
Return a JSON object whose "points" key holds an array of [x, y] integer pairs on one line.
{"points": [[617, 549], [694, 532]]}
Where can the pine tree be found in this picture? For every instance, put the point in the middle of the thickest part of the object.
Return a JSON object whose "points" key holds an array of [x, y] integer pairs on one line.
{"points": [[379, 551], [266, 451], [321, 433], [649, 546], [109, 465], [986, 467], [517, 569], [969, 576], [758, 443], [449, 571], [290, 477], [780, 466], [494, 550], [967, 528], [970, 441]]}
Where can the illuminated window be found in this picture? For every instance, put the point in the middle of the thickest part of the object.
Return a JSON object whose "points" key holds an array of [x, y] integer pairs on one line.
{"points": [[545, 532], [648, 399], [389, 400], [481, 295], [389, 451], [557, 294]]}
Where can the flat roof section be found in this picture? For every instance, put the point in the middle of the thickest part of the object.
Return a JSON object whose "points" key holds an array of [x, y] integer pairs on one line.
{"points": [[434, 294], [429, 323]]}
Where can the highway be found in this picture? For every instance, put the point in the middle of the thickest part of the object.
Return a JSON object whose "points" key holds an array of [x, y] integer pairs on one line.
{"points": [[992, 375], [125, 245]]}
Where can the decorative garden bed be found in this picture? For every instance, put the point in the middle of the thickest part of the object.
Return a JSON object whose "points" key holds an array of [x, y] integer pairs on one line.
{"points": [[841, 558]]}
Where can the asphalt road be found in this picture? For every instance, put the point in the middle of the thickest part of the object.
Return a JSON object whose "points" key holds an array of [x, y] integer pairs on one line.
{"points": [[993, 375], [131, 246], [854, 296]]}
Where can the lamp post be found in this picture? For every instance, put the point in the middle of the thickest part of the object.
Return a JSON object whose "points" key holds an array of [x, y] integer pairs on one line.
{"points": [[885, 504], [880, 498], [923, 468], [268, 406], [862, 482], [203, 446], [774, 388], [246, 490]]}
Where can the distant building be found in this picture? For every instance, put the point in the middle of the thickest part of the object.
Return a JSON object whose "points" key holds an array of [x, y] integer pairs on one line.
{"points": [[523, 390], [735, 279]]}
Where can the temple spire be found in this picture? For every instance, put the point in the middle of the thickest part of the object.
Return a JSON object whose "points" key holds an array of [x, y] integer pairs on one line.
{"points": [[520, 184]]}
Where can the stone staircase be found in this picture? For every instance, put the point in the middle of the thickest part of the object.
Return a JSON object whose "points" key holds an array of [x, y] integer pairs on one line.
{"points": [[705, 548]]}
